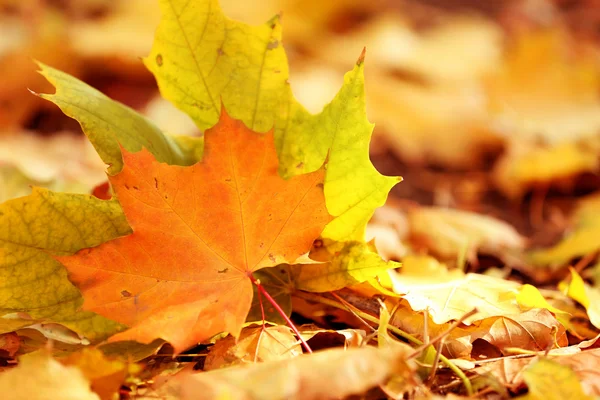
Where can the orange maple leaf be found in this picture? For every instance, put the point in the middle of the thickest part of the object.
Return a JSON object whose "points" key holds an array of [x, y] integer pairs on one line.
{"points": [[198, 234]]}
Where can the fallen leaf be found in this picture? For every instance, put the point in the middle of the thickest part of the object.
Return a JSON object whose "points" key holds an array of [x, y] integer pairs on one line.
{"points": [[450, 232], [549, 380], [109, 124], [105, 375], [354, 263], [451, 299], [584, 364], [10, 343], [534, 330], [544, 101], [259, 220], [254, 345], [39, 377], [584, 294], [200, 56], [33, 282], [328, 374], [579, 240]]}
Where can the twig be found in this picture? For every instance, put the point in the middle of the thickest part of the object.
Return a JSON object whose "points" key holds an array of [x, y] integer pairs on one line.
{"points": [[287, 319], [442, 335], [330, 302]]}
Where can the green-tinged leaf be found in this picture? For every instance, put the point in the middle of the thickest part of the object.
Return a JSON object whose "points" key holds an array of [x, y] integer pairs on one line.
{"points": [[130, 350], [353, 187], [277, 282], [354, 263], [43, 224], [108, 123], [549, 380], [201, 58]]}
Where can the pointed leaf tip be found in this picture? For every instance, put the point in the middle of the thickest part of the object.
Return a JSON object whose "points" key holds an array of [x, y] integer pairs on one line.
{"points": [[361, 58]]}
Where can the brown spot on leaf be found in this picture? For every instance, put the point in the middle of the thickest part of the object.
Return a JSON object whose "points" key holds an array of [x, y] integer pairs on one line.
{"points": [[156, 183], [271, 257], [222, 271], [317, 244], [159, 60], [300, 165], [125, 293], [273, 45]]}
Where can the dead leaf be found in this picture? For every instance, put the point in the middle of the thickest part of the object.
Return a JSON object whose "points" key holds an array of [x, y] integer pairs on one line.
{"points": [[10, 343], [450, 232], [39, 377], [254, 345], [328, 374], [205, 289]]}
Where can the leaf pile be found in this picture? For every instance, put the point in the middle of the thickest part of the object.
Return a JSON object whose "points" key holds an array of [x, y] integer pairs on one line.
{"points": [[177, 278]]}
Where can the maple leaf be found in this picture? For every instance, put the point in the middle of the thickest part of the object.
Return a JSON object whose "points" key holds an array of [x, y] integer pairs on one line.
{"points": [[109, 124], [200, 56], [198, 234], [38, 226]]}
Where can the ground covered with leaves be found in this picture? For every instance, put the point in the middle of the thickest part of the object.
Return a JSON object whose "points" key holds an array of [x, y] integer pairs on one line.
{"points": [[224, 228]]}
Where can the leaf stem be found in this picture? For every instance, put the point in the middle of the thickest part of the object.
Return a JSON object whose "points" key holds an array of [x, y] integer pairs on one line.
{"points": [[287, 319], [330, 302]]}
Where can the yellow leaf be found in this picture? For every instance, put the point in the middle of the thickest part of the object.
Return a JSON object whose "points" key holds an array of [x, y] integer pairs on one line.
{"points": [[585, 295], [548, 380], [354, 263], [448, 232], [449, 300], [581, 240], [39, 377]]}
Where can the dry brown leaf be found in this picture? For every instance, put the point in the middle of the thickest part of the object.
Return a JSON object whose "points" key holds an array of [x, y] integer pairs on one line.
{"points": [[9, 343], [585, 364], [254, 344], [328, 374], [534, 330]]}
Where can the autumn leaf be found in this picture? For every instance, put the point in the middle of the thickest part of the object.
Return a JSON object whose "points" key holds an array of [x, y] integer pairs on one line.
{"points": [[354, 263], [451, 232], [334, 373], [584, 294], [109, 124], [200, 56], [43, 224], [198, 234], [451, 299], [39, 377], [105, 375], [254, 345], [548, 380], [579, 241]]}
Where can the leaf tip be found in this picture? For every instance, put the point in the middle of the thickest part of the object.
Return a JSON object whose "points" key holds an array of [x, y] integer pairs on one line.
{"points": [[361, 58]]}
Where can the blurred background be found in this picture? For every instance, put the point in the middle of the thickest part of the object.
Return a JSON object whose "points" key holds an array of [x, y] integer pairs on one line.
{"points": [[490, 107]]}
